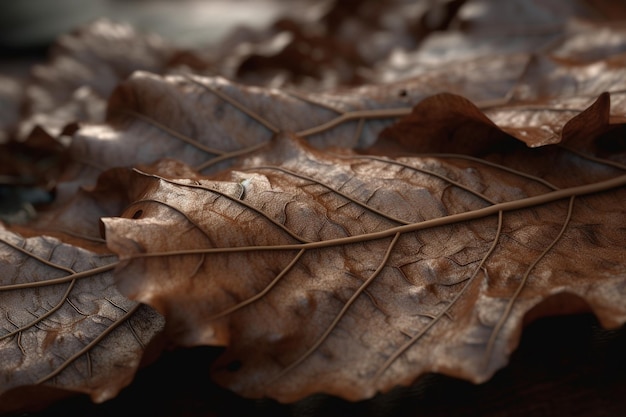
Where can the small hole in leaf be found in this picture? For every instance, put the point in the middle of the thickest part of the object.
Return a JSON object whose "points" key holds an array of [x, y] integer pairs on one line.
{"points": [[234, 366], [137, 214]]}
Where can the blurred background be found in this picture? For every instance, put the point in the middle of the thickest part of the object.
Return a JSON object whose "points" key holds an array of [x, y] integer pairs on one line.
{"points": [[30, 25]]}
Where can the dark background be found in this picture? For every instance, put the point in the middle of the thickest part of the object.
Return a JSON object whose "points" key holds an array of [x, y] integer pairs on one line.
{"points": [[564, 366]]}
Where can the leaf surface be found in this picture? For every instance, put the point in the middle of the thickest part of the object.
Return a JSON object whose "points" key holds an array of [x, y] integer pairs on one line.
{"points": [[350, 274], [324, 256], [207, 121], [63, 324], [84, 67]]}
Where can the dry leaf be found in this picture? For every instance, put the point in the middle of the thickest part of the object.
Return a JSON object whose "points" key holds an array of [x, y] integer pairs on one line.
{"points": [[63, 324], [205, 122], [327, 272], [448, 122], [352, 274], [84, 67]]}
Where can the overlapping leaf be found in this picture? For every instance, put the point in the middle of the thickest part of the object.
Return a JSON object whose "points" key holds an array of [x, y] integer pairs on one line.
{"points": [[351, 274], [84, 67], [203, 121], [63, 324], [321, 272]]}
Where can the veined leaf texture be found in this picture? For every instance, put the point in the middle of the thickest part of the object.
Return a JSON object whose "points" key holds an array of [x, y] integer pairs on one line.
{"points": [[336, 231]]}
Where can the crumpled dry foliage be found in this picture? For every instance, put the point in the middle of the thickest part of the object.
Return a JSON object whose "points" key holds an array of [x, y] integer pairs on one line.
{"points": [[340, 226], [351, 274], [65, 323]]}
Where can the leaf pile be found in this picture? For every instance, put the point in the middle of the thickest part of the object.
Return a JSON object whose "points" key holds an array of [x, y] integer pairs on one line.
{"points": [[336, 230]]}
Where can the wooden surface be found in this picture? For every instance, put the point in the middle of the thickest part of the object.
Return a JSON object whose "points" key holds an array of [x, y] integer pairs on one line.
{"points": [[566, 366]]}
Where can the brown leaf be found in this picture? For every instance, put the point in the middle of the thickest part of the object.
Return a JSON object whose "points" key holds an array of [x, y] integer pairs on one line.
{"points": [[63, 324], [525, 63], [586, 61], [79, 216], [314, 48], [77, 221], [84, 67], [448, 122], [206, 122], [203, 121], [346, 273], [352, 274], [38, 160]]}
